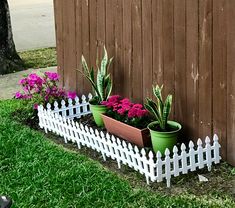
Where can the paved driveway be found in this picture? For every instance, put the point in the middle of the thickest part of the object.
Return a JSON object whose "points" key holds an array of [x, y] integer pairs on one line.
{"points": [[32, 23]]}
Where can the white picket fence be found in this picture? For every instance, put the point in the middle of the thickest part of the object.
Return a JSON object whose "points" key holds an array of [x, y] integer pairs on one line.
{"points": [[155, 167]]}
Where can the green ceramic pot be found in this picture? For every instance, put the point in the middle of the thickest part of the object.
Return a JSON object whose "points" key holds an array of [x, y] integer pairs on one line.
{"points": [[97, 111], [163, 140]]}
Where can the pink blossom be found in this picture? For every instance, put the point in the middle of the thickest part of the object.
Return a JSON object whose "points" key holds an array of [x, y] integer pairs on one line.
{"points": [[121, 111], [71, 95], [52, 76], [18, 95], [23, 81], [35, 106], [137, 106]]}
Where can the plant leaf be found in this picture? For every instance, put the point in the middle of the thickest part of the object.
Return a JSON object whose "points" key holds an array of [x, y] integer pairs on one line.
{"points": [[167, 110], [104, 62]]}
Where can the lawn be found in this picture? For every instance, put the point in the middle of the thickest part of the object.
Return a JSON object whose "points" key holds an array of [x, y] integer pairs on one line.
{"points": [[40, 58], [37, 172]]}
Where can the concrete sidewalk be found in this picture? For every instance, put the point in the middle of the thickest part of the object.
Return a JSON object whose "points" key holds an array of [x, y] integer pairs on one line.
{"points": [[9, 82], [32, 23]]}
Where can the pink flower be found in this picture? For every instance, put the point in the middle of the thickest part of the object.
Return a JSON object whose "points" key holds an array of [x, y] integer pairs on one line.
{"points": [[23, 81], [35, 106], [137, 106], [52, 76], [18, 95], [114, 98], [71, 95], [121, 111]]}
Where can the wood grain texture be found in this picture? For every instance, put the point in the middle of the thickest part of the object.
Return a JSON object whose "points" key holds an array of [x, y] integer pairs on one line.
{"points": [[69, 37], [78, 44], [58, 12], [192, 71], [230, 82], [205, 68], [220, 72], [137, 64]]}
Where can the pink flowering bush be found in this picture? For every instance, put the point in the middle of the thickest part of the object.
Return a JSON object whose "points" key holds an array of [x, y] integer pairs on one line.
{"points": [[37, 90], [125, 111]]}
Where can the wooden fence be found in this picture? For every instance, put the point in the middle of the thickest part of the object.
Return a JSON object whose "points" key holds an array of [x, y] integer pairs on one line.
{"points": [[187, 45]]}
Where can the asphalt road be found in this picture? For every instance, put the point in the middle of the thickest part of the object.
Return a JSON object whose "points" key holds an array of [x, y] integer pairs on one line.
{"points": [[32, 23]]}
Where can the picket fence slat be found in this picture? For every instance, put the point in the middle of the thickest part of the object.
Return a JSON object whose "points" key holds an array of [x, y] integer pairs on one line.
{"points": [[59, 119]]}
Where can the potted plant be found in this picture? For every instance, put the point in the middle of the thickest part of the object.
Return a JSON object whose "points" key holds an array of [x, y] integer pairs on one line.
{"points": [[102, 86], [127, 120], [163, 132]]}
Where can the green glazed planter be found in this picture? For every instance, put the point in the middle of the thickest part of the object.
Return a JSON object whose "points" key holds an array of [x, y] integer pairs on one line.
{"points": [[97, 111], [163, 140]]}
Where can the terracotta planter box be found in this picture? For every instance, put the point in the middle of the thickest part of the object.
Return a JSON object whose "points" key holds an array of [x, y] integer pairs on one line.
{"points": [[140, 137]]}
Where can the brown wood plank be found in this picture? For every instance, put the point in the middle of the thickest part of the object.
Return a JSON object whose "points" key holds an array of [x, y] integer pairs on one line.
{"points": [[137, 65], [118, 71], [180, 61], [157, 18], [168, 51], [100, 27], [147, 45], [127, 48], [191, 120], [69, 46], [58, 12], [86, 40], [93, 31], [205, 68], [220, 72], [230, 82], [78, 43], [110, 37]]}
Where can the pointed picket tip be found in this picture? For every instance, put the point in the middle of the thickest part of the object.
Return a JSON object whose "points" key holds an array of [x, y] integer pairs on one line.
{"points": [[81, 126], [108, 136], [89, 96], [136, 149], [70, 101], [151, 154], [207, 140], [215, 138], [97, 132], [175, 149], [130, 146], [191, 144], [76, 99], [102, 134], [86, 128], [48, 106], [167, 152], [56, 104], [183, 147], [199, 142], [83, 98], [91, 130], [159, 154], [63, 103], [124, 144], [113, 139], [118, 141], [143, 152]]}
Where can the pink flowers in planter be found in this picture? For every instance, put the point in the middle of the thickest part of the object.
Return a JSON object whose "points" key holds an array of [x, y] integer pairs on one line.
{"points": [[126, 111]]}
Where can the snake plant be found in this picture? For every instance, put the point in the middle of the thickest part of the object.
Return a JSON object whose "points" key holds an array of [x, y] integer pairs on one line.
{"points": [[102, 85], [160, 109]]}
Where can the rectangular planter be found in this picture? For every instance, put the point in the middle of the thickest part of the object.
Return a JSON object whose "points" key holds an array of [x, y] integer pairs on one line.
{"points": [[140, 137]]}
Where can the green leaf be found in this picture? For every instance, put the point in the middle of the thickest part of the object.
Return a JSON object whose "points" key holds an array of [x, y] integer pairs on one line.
{"points": [[167, 110], [104, 62], [100, 84]]}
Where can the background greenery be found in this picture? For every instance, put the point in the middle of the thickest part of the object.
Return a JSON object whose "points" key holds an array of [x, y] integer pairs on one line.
{"points": [[40, 58]]}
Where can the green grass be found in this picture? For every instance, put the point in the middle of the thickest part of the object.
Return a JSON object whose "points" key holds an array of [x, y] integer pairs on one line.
{"points": [[35, 172], [40, 58]]}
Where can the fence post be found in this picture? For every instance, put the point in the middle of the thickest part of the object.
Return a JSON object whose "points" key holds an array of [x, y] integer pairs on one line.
{"points": [[216, 149], [192, 156], [200, 153], [159, 166], [184, 158], [208, 154], [175, 161], [167, 167]]}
